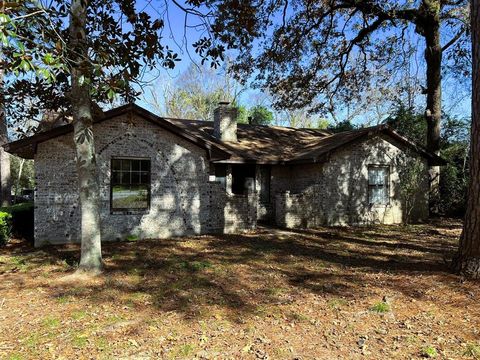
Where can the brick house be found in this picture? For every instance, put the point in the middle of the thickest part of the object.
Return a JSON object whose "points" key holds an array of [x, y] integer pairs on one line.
{"points": [[164, 177]]}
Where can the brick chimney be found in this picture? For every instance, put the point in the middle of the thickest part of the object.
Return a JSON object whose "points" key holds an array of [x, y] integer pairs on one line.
{"points": [[225, 122]]}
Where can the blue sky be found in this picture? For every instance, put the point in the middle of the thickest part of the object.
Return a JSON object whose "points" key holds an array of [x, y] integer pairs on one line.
{"points": [[456, 99]]}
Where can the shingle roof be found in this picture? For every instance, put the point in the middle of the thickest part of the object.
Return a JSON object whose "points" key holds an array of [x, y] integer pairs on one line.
{"points": [[256, 144]]}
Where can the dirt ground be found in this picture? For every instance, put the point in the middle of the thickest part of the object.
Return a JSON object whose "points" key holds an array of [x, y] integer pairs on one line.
{"points": [[331, 293]]}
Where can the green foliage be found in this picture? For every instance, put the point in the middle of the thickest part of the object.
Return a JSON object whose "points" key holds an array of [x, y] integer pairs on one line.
{"points": [[429, 352], [5, 227], [411, 177], [380, 307], [260, 115], [473, 351], [21, 219], [122, 41], [341, 126], [409, 123], [132, 238], [455, 143]]}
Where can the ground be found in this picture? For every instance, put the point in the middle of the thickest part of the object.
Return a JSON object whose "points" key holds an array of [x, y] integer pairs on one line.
{"points": [[331, 293]]}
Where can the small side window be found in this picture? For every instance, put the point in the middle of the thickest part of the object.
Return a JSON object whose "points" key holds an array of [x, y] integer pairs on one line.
{"points": [[378, 180]]}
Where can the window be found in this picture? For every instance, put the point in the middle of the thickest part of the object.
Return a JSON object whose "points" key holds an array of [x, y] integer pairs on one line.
{"points": [[264, 184], [378, 179], [130, 184], [240, 174], [221, 174]]}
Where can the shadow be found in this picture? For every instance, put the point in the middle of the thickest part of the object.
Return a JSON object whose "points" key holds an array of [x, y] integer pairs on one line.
{"points": [[242, 275]]}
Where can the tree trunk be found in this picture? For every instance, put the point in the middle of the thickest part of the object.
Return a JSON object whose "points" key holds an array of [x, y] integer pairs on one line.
{"points": [[5, 181], [19, 178], [91, 255], [467, 261], [433, 111]]}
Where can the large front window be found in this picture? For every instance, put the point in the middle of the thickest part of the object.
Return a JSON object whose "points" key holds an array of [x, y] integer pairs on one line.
{"points": [[130, 184], [378, 179]]}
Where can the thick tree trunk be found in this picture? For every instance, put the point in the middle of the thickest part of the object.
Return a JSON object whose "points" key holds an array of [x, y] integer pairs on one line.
{"points": [[5, 181], [433, 113], [91, 255], [467, 261]]}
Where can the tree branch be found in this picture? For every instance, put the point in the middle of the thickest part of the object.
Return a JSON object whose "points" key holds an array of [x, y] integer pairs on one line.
{"points": [[453, 40]]}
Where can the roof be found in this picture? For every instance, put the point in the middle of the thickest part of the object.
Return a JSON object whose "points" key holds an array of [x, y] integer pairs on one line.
{"points": [[256, 143]]}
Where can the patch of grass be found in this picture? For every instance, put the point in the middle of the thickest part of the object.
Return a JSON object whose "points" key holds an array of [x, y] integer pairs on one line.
{"points": [[275, 291], [80, 340], [19, 262], [195, 266], [380, 307], [63, 299], [429, 352], [185, 350], [298, 316], [32, 340], [473, 351], [15, 356], [103, 344], [132, 238], [79, 315], [337, 303], [51, 322]]}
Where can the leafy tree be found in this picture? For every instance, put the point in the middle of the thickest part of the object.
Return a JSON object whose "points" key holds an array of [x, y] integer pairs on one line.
{"points": [[341, 126], [467, 261], [318, 53], [409, 123], [64, 55], [454, 147], [260, 115]]}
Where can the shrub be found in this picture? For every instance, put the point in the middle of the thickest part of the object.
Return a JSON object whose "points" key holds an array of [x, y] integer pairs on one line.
{"points": [[21, 220], [380, 307], [5, 227]]}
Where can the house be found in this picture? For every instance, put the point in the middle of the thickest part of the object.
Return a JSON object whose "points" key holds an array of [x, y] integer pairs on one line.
{"points": [[163, 177]]}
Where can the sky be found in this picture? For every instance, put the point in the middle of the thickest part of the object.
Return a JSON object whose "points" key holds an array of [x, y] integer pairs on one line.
{"points": [[456, 99]]}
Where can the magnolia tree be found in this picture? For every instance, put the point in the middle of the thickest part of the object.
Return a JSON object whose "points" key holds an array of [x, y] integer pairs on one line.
{"points": [[61, 55]]}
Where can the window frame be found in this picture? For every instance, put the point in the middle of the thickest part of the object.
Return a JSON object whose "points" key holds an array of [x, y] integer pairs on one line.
{"points": [[385, 185], [120, 211]]}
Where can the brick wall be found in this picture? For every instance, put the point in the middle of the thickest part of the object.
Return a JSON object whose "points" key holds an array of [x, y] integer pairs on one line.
{"points": [[182, 199], [336, 192]]}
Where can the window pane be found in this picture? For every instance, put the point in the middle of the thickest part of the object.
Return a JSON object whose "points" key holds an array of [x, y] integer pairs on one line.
{"points": [[116, 164], [377, 195], [116, 177], [376, 176], [130, 197], [144, 178], [135, 165], [135, 178], [145, 164], [126, 165]]}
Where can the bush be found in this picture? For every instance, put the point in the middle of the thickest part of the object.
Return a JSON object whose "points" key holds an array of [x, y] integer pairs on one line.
{"points": [[5, 227], [21, 220]]}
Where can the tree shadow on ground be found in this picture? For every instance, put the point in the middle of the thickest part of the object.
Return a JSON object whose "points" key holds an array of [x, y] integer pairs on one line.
{"points": [[240, 275]]}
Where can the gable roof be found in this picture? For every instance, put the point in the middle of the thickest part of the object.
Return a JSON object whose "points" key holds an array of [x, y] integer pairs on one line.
{"points": [[256, 143]]}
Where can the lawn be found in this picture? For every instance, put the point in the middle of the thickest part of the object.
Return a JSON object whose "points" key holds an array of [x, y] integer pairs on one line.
{"points": [[331, 293]]}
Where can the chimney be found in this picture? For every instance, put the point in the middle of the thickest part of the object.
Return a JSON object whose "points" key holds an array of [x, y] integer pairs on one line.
{"points": [[225, 122]]}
